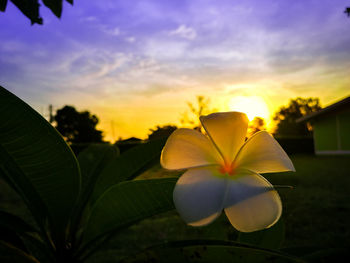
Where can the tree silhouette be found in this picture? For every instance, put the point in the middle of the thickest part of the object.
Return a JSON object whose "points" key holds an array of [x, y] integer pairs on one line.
{"points": [[77, 127], [347, 11], [161, 131], [201, 107], [257, 124], [30, 8], [286, 117]]}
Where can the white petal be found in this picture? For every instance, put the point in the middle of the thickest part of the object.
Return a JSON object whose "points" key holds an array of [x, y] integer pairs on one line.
{"points": [[251, 203], [262, 154], [199, 195], [227, 130], [186, 148]]}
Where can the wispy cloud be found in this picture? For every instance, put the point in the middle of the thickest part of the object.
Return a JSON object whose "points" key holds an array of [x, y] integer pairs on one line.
{"points": [[184, 31], [112, 31]]}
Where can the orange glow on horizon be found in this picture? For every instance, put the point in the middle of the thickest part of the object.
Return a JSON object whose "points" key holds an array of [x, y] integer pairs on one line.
{"points": [[136, 116], [136, 119]]}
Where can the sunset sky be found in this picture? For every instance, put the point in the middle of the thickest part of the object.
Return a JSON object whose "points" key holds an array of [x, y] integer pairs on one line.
{"points": [[135, 64]]}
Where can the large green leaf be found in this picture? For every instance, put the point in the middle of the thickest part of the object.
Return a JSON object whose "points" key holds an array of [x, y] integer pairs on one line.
{"points": [[14, 223], [36, 160], [15, 178], [10, 237], [10, 254], [40, 250], [271, 238], [128, 202], [12, 228], [3, 4], [55, 6], [15, 232], [209, 251], [128, 165], [30, 8], [92, 161]]}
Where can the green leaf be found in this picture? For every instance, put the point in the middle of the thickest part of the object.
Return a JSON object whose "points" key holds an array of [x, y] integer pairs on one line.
{"points": [[128, 165], [3, 4], [14, 223], [35, 159], [271, 238], [30, 9], [92, 161], [209, 251], [38, 249], [18, 233], [127, 203], [16, 179], [12, 228], [9, 236], [55, 6], [10, 254]]}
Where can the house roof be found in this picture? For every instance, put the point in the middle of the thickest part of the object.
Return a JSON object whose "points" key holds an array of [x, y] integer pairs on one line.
{"points": [[131, 139], [331, 108]]}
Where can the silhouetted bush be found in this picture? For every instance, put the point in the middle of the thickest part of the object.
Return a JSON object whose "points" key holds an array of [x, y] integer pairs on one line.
{"points": [[302, 144]]}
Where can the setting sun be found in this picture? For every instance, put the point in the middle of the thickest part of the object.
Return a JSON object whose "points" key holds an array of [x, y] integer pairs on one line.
{"points": [[253, 106]]}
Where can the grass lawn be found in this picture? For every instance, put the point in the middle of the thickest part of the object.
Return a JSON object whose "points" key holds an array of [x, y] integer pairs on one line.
{"points": [[316, 211]]}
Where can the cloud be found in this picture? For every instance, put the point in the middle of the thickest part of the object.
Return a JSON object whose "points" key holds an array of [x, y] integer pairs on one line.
{"points": [[164, 49], [130, 39], [115, 31], [88, 19], [184, 31]]}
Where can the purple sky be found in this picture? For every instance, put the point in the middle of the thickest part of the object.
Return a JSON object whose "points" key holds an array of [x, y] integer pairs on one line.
{"points": [[133, 61]]}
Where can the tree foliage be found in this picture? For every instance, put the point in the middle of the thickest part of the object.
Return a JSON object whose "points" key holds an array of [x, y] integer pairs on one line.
{"points": [[347, 11], [30, 8], [286, 117], [197, 109], [161, 131], [77, 127], [257, 124]]}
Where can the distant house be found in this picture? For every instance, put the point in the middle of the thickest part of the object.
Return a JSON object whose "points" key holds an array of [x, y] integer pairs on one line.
{"points": [[127, 144], [331, 128]]}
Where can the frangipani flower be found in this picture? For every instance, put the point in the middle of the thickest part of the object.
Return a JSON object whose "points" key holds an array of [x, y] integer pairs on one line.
{"points": [[224, 172]]}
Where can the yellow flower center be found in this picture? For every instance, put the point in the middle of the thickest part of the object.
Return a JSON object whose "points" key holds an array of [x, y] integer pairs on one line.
{"points": [[227, 168]]}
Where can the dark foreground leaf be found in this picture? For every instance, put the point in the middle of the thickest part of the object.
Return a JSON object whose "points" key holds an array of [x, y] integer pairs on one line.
{"points": [[3, 4], [55, 6], [30, 9], [127, 203], [128, 165], [10, 254], [36, 161], [92, 161], [14, 223]]}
